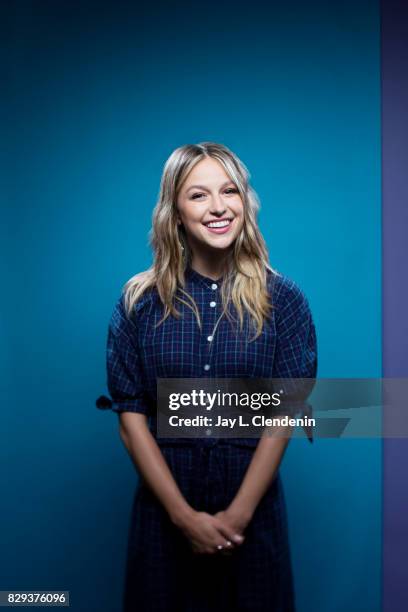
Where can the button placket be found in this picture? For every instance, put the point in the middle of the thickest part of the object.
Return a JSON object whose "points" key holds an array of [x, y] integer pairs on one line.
{"points": [[213, 321], [209, 329]]}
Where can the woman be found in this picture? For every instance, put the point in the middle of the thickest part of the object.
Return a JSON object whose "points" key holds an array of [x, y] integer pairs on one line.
{"points": [[208, 528]]}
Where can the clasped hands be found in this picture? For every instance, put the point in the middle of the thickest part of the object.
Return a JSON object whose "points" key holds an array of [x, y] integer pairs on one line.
{"points": [[219, 533]]}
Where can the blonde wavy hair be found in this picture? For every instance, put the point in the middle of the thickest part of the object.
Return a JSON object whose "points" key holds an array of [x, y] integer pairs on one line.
{"points": [[245, 279]]}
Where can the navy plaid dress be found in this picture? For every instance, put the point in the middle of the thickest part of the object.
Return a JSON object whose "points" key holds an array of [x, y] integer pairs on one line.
{"points": [[162, 572]]}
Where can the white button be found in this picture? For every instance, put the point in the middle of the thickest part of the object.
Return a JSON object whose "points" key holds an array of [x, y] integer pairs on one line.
{"points": [[206, 367], [214, 286], [213, 304], [210, 338]]}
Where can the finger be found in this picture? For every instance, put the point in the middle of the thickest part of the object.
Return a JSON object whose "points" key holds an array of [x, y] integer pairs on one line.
{"points": [[227, 547], [218, 537], [230, 534], [224, 546]]}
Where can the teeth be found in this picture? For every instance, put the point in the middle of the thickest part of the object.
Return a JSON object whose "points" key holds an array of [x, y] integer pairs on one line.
{"points": [[219, 223]]}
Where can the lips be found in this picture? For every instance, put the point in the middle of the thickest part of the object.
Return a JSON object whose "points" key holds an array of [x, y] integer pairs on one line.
{"points": [[219, 223], [220, 226]]}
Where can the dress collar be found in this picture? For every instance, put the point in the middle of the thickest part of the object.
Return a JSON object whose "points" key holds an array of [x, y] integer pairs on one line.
{"points": [[201, 280]]}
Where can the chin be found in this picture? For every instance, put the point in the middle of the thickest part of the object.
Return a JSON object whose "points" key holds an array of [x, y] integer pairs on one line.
{"points": [[220, 245]]}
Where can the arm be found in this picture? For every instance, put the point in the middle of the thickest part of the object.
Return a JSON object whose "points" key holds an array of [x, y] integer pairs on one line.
{"points": [[126, 387], [204, 531], [149, 461], [259, 476], [295, 357]]}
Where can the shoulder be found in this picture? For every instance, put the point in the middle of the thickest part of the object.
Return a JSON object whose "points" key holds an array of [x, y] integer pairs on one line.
{"points": [[126, 311], [286, 295]]}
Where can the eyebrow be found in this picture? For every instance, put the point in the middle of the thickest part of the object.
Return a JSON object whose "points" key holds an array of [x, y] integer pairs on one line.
{"points": [[206, 188]]}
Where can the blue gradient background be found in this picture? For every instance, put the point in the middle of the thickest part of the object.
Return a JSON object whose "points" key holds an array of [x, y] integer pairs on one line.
{"points": [[99, 95]]}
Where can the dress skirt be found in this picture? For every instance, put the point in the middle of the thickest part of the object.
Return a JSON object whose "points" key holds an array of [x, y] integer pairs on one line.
{"points": [[162, 572]]}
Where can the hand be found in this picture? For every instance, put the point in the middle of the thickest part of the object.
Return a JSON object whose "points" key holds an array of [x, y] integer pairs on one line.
{"points": [[207, 533], [235, 521]]}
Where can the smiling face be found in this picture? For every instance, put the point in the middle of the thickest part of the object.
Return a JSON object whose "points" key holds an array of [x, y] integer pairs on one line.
{"points": [[210, 208]]}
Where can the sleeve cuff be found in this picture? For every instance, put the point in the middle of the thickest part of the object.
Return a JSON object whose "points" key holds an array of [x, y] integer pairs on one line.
{"points": [[126, 405]]}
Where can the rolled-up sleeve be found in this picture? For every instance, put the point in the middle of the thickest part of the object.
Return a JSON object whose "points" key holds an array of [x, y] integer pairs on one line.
{"points": [[124, 374]]}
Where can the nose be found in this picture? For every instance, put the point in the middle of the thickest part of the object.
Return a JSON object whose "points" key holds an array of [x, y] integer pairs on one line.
{"points": [[218, 207]]}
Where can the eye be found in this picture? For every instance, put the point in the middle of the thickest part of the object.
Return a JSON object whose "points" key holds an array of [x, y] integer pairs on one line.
{"points": [[231, 190], [197, 196]]}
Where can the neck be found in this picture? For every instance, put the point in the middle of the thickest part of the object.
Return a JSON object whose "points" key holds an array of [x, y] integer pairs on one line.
{"points": [[211, 264]]}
